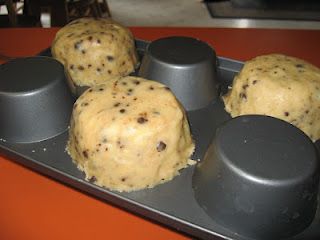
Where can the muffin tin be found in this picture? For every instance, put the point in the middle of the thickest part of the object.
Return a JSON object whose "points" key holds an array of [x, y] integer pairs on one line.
{"points": [[227, 195]]}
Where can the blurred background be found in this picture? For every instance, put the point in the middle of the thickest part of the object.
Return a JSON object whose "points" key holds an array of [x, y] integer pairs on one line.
{"points": [[291, 14]]}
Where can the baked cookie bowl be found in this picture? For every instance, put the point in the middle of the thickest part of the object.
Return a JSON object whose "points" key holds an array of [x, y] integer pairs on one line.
{"points": [[259, 177], [35, 102], [94, 50]]}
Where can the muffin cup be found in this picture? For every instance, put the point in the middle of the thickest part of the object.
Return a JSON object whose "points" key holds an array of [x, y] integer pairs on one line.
{"points": [[186, 65], [259, 178], [35, 101]]}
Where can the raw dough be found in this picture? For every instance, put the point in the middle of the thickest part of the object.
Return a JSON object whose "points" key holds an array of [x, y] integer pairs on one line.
{"points": [[94, 51], [280, 86], [129, 134]]}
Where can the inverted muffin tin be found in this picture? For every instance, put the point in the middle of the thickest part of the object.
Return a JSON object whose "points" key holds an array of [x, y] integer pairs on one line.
{"points": [[252, 194]]}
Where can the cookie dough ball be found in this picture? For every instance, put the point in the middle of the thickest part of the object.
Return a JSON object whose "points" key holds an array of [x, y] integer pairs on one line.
{"points": [[129, 134], [280, 86], [94, 51]]}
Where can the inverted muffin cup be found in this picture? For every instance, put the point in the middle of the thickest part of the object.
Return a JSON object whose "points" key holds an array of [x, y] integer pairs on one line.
{"points": [[35, 102], [259, 178], [186, 65]]}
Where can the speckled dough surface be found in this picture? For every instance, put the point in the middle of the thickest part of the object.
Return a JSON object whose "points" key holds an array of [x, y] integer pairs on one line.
{"points": [[129, 134], [94, 51], [280, 86]]}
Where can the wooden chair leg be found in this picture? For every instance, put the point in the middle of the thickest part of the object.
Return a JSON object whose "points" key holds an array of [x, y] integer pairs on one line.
{"points": [[98, 8], [59, 13], [106, 8], [12, 13], [95, 10]]}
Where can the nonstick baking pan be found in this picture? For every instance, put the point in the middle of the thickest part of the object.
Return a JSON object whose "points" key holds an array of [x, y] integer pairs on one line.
{"points": [[223, 196]]}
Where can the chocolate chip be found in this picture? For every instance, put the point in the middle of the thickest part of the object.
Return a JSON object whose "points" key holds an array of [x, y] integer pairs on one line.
{"points": [[99, 69], [243, 95], [89, 65], [106, 149], [84, 104], [299, 66], [254, 81], [77, 44], [166, 88], [98, 41], [109, 71], [142, 120], [307, 111], [124, 83], [136, 82], [110, 58], [83, 51], [93, 179], [245, 86], [286, 114], [101, 89], [85, 153], [134, 99], [104, 140], [123, 179], [71, 66], [90, 90], [275, 72], [161, 146], [116, 104], [151, 88], [122, 110], [81, 68], [123, 63], [130, 90], [90, 38]]}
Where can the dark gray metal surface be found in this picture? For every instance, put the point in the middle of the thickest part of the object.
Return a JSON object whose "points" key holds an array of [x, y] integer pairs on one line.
{"points": [[186, 65], [172, 203], [260, 177], [27, 113]]}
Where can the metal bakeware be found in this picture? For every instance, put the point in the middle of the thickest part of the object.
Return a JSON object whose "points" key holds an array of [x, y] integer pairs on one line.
{"points": [[173, 203]]}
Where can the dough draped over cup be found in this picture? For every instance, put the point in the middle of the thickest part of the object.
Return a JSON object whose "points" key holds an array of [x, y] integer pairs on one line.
{"points": [[129, 133], [280, 86], [94, 51]]}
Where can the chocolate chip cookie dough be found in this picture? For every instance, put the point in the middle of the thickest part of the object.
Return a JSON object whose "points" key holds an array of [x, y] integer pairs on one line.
{"points": [[129, 134], [94, 51], [280, 86]]}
